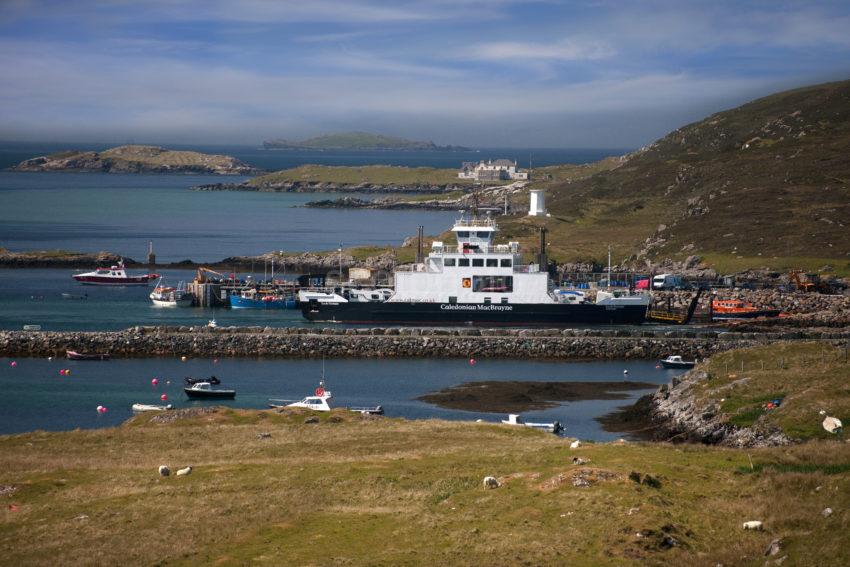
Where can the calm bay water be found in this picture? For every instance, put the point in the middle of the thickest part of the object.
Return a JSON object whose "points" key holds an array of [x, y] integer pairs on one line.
{"points": [[89, 212], [36, 396]]}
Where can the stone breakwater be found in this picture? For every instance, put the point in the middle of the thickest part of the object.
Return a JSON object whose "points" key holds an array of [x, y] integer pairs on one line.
{"points": [[300, 342]]}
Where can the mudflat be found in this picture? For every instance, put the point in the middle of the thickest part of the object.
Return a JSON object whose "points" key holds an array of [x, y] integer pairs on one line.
{"points": [[513, 397]]}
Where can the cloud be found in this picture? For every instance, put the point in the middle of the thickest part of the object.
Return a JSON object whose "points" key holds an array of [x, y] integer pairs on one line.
{"points": [[471, 72], [564, 50]]}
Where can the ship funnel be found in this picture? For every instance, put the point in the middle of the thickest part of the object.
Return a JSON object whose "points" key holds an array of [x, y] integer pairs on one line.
{"points": [[542, 260]]}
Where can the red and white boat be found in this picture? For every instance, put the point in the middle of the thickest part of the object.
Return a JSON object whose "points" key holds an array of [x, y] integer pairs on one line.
{"points": [[115, 275]]}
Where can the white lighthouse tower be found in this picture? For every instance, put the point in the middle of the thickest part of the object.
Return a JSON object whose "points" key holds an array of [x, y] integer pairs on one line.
{"points": [[537, 206]]}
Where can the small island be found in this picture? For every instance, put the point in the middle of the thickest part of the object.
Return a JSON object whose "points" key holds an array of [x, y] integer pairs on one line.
{"points": [[137, 159], [359, 141]]}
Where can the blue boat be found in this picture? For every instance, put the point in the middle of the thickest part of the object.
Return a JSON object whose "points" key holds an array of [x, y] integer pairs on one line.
{"points": [[250, 299]]}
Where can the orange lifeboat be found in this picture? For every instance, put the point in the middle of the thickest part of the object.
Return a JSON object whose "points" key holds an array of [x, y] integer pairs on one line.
{"points": [[737, 309]]}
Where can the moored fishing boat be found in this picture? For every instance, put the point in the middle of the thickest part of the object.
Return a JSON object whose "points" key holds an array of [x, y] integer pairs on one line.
{"points": [[114, 275], [252, 299], [477, 282], [165, 296], [321, 402]]}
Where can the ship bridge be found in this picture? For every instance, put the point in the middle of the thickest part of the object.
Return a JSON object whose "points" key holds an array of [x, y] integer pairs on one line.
{"points": [[474, 234]]}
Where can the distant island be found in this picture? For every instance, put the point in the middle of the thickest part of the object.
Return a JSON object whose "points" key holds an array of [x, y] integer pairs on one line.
{"points": [[358, 141], [138, 159]]}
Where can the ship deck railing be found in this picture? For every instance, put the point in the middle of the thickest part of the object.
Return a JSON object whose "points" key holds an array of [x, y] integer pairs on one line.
{"points": [[497, 249], [475, 223]]}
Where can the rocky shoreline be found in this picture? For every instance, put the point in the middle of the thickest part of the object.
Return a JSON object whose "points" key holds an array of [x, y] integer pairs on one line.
{"points": [[676, 416], [307, 262], [405, 342], [385, 204], [329, 187]]}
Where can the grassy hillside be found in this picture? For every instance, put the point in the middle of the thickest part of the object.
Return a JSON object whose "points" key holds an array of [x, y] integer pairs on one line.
{"points": [[745, 380], [373, 174], [768, 181], [391, 492]]}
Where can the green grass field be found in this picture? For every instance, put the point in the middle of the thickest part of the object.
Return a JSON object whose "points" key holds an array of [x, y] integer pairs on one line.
{"points": [[372, 174], [807, 378]]}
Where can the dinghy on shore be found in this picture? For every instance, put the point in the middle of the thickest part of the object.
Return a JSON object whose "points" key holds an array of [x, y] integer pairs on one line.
{"points": [[138, 408], [516, 419]]}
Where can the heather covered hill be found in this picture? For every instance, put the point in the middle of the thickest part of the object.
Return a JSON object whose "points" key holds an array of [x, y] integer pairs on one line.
{"points": [[764, 184]]}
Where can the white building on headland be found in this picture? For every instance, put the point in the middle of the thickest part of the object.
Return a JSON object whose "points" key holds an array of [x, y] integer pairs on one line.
{"points": [[492, 170], [537, 205]]}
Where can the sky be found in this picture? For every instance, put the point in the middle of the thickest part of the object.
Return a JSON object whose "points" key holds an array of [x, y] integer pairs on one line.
{"points": [[481, 73]]}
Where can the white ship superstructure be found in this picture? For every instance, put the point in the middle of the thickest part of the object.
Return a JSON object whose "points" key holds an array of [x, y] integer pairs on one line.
{"points": [[475, 271]]}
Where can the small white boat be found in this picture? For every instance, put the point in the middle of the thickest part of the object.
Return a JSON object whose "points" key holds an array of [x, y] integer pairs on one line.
{"points": [[675, 361], [150, 407], [516, 419], [321, 402], [32, 327]]}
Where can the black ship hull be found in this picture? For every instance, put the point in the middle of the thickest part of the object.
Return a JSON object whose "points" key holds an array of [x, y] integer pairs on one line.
{"points": [[210, 394], [438, 314]]}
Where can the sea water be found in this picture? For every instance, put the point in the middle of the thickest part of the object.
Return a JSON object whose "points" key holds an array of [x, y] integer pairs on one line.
{"points": [[37, 396], [90, 212]]}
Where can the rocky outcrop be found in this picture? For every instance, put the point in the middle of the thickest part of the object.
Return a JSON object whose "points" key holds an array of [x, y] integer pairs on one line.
{"points": [[59, 259], [313, 342], [138, 159], [679, 415]]}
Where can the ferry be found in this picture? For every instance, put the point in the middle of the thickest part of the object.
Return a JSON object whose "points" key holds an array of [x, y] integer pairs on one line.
{"points": [[115, 275], [477, 282]]}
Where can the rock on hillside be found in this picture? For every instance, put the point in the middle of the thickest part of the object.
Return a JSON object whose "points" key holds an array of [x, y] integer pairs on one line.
{"points": [[138, 159]]}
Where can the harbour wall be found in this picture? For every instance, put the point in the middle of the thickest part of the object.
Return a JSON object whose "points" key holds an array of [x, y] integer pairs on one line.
{"points": [[300, 342]]}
